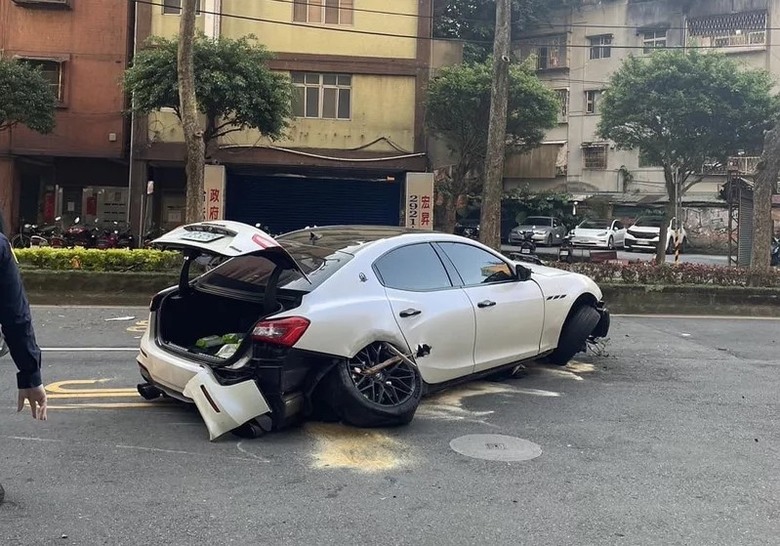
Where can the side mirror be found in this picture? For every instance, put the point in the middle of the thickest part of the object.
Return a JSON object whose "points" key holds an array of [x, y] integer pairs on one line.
{"points": [[77, 220], [522, 273]]}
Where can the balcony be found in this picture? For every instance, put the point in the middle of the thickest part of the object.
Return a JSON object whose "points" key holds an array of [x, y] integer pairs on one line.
{"points": [[742, 165], [44, 4]]}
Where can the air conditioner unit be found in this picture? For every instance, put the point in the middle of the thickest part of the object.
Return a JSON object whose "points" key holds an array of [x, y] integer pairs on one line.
{"points": [[45, 4]]}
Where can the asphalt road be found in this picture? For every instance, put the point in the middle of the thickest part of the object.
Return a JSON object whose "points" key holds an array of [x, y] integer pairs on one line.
{"points": [[633, 256], [669, 439]]}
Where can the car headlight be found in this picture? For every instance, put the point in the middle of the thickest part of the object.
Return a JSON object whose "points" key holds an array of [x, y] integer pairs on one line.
{"points": [[538, 232]]}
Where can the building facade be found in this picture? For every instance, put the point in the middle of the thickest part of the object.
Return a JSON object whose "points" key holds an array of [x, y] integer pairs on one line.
{"points": [[80, 169], [359, 70], [578, 52]]}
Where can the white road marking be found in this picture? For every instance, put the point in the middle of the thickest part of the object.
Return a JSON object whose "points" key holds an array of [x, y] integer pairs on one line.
{"points": [[695, 317], [89, 349], [249, 454], [29, 439]]}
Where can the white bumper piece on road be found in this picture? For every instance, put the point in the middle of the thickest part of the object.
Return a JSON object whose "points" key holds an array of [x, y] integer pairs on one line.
{"points": [[224, 408]]}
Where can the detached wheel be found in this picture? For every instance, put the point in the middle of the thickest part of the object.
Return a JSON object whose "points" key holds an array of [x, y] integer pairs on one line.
{"points": [[386, 398], [574, 334]]}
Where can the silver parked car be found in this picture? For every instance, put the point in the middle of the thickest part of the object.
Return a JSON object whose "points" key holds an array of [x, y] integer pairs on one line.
{"points": [[546, 231]]}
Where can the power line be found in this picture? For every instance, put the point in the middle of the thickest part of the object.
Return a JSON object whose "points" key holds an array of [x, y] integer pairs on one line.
{"points": [[414, 37]]}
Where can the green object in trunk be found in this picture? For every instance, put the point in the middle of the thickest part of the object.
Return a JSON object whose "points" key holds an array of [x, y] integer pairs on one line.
{"points": [[209, 342], [231, 339]]}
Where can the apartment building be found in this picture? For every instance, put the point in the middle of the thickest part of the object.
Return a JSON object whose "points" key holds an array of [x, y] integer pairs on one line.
{"points": [[359, 71], [581, 48], [80, 169]]}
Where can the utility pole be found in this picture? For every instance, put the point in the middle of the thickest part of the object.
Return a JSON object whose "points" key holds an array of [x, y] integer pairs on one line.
{"points": [[490, 220], [195, 147]]}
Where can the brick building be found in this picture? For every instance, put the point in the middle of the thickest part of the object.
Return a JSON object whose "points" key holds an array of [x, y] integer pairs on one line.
{"points": [[81, 168]]}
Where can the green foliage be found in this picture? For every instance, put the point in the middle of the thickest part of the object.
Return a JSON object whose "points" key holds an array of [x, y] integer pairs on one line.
{"points": [[62, 259], [521, 204], [234, 86], [475, 21], [25, 97], [458, 111], [680, 108], [647, 273]]}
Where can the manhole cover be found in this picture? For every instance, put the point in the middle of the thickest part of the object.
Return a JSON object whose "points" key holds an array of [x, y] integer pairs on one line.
{"points": [[496, 447]]}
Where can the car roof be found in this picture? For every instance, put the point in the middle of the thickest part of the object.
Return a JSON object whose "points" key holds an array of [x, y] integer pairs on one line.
{"points": [[349, 238]]}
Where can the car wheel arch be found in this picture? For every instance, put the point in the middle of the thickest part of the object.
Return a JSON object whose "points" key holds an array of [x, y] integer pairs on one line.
{"points": [[586, 298]]}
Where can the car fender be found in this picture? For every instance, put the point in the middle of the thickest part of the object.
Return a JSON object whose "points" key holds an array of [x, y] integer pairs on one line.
{"points": [[562, 291]]}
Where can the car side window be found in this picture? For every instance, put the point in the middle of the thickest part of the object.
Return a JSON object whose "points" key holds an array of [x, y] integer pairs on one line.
{"points": [[619, 225], [415, 268], [475, 265]]}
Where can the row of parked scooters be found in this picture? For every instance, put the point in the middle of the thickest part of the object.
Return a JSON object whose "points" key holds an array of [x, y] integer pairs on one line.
{"points": [[95, 234]]}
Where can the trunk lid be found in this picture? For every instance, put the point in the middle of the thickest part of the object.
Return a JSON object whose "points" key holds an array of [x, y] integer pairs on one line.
{"points": [[226, 239]]}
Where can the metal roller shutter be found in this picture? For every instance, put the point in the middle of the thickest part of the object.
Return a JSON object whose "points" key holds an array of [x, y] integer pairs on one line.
{"points": [[289, 203]]}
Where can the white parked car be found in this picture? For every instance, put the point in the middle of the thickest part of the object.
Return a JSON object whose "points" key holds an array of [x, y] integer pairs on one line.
{"points": [[350, 323], [599, 233], [646, 231]]}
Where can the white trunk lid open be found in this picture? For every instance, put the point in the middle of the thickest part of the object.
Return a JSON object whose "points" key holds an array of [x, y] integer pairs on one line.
{"points": [[225, 238]]}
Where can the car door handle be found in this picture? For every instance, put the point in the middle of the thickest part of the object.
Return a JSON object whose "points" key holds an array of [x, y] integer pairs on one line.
{"points": [[410, 313], [486, 303]]}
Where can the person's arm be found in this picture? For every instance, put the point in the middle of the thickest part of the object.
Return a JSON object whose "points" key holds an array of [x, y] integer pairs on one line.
{"points": [[16, 321]]}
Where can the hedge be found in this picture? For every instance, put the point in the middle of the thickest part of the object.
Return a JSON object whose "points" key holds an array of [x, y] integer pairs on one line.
{"points": [[70, 259], [648, 273]]}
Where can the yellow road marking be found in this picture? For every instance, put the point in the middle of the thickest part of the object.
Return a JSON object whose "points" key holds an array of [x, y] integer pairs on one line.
{"points": [[139, 327], [60, 387], [109, 405], [97, 394]]}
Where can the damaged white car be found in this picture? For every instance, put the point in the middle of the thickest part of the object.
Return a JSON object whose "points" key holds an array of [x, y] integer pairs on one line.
{"points": [[349, 323]]}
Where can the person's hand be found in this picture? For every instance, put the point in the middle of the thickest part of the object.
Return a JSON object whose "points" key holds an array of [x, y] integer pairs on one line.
{"points": [[36, 396]]}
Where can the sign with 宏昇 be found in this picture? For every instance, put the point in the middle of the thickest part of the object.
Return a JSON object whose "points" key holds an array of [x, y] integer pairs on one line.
{"points": [[214, 192], [419, 201]]}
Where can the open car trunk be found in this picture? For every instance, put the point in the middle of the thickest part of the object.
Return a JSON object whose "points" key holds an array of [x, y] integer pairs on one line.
{"points": [[183, 320]]}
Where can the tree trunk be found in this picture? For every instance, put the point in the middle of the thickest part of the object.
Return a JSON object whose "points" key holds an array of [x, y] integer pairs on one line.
{"points": [[669, 210], [490, 219], [449, 214], [764, 187], [195, 147]]}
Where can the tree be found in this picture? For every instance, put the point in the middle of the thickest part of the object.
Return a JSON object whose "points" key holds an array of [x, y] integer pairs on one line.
{"points": [[194, 146], [763, 188], [234, 87], [490, 215], [26, 97], [458, 109], [474, 21], [681, 109]]}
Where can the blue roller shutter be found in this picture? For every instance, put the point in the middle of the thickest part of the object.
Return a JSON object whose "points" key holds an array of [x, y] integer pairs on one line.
{"points": [[289, 203]]}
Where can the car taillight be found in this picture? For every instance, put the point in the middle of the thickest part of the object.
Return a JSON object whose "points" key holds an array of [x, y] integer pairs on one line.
{"points": [[285, 332]]}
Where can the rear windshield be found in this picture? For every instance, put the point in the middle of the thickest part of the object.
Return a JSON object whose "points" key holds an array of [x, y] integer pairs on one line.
{"points": [[538, 221], [596, 224], [649, 221], [250, 274]]}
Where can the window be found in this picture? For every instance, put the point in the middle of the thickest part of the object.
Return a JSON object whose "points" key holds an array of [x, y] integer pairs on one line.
{"points": [[653, 39], [327, 96], [52, 72], [250, 274], [415, 268], [330, 12], [550, 51], [173, 7], [475, 265], [563, 100], [600, 47], [592, 99], [595, 156], [729, 30]]}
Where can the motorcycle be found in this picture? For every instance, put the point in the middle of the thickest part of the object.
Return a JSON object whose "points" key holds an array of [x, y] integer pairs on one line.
{"points": [[114, 236], [33, 235], [81, 234], [527, 250]]}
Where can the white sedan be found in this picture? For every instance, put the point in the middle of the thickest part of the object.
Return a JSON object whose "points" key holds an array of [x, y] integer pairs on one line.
{"points": [[599, 233], [349, 323]]}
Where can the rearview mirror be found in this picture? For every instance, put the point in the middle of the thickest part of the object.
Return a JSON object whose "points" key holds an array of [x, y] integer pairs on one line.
{"points": [[522, 273]]}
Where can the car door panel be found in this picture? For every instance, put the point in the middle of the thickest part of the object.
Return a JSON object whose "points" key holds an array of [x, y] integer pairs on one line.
{"points": [[509, 313], [430, 309], [444, 320]]}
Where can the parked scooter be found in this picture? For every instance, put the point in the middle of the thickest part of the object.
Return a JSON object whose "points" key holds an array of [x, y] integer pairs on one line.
{"points": [[31, 235], [527, 250], [82, 235]]}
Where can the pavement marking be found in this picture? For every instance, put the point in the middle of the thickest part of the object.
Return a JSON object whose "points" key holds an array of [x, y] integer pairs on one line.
{"points": [[139, 327], [696, 317], [90, 349], [29, 439], [249, 453]]}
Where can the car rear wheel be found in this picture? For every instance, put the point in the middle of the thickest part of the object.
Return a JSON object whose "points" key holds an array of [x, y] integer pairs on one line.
{"points": [[374, 389], [574, 335]]}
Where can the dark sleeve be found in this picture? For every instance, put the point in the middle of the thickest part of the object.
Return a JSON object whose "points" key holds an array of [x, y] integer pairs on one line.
{"points": [[16, 321]]}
